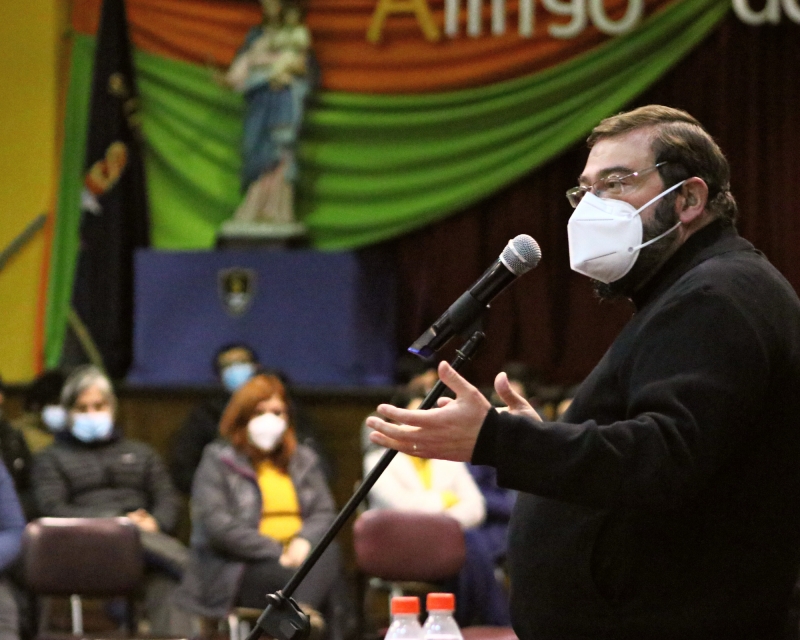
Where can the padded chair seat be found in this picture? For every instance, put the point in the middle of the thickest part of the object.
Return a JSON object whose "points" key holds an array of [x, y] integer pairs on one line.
{"points": [[408, 545], [488, 633], [94, 557], [82, 557]]}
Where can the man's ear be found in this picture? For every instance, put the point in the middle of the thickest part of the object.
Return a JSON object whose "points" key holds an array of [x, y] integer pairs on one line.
{"points": [[691, 201]]}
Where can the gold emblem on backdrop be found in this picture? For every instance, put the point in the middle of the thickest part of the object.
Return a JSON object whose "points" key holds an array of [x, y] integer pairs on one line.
{"points": [[236, 288]]}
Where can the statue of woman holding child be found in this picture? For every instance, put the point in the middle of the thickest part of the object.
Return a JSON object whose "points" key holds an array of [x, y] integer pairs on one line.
{"points": [[271, 70]]}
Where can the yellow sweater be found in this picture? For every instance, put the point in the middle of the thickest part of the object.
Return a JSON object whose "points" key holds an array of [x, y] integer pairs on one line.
{"points": [[280, 513], [423, 468]]}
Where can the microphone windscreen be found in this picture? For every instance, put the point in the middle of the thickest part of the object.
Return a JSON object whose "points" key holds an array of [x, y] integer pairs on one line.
{"points": [[521, 254]]}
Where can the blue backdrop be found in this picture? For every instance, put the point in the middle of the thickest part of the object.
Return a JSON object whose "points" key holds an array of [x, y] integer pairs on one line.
{"points": [[325, 319]]}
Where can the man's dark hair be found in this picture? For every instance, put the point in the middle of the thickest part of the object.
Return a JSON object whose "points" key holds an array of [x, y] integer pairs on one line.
{"points": [[409, 366], [229, 347], [402, 397], [687, 148], [44, 390]]}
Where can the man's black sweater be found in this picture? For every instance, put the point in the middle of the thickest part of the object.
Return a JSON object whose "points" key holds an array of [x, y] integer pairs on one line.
{"points": [[667, 504]]}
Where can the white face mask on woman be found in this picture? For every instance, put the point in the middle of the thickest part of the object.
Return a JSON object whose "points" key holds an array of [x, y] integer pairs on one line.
{"points": [[265, 430], [605, 236]]}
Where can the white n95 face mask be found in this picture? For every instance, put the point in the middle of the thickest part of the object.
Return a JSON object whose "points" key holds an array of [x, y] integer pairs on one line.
{"points": [[265, 430], [605, 236]]}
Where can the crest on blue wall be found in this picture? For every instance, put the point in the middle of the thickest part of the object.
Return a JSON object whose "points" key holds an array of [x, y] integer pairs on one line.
{"points": [[236, 287]]}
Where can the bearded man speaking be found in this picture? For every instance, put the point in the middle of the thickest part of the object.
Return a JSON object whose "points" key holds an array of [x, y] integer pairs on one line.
{"points": [[666, 504]]}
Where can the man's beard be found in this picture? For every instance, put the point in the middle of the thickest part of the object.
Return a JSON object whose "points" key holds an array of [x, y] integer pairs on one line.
{"points": [[649, 258]]}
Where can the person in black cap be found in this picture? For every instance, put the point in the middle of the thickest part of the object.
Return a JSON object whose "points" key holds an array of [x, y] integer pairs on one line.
{"points": [[233, 364], [42, 414]]}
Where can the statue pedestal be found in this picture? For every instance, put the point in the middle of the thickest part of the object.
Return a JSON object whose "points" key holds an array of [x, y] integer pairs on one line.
{"points": [[236, 234]]}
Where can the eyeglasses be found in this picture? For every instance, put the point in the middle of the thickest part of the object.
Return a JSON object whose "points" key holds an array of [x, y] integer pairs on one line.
{"points": [[609, 187]]}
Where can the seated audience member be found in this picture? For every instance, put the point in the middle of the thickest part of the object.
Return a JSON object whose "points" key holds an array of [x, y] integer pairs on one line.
{"points": [[92, 470], [12, 524], [441, 486], [234, 364], [520, 378], [260, 500], [499, 503], [524, 380], [566, 400], [433, 486], [42, 414], [416, 375], [17, 458], [492, 534]]}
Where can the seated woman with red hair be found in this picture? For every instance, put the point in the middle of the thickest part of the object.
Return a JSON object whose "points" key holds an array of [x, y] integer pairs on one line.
{"points": [[259, 502]]}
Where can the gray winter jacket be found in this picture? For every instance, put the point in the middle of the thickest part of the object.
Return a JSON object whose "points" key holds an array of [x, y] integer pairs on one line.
{"points": [[226, 511]]}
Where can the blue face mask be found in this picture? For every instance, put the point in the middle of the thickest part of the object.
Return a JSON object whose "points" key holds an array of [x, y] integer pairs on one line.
{"points": [[236, 374], [54, 417], [91, 427]]}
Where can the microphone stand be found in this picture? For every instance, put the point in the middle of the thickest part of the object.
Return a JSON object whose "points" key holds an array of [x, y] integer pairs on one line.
{"points": [[283, 619]]}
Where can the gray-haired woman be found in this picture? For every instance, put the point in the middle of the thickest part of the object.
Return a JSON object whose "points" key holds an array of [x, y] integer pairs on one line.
{"points": [[92, 470]]}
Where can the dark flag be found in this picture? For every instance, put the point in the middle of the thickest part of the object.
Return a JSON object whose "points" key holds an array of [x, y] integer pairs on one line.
{"points": [[114, 218]]}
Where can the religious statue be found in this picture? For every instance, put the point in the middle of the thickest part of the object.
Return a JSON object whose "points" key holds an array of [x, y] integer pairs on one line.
{"points": [[271, 70]]}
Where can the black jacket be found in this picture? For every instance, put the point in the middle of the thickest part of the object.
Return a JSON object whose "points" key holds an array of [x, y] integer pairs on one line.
{"points": [[18, 460], [667, 505], [104, 479], [200, 428]]}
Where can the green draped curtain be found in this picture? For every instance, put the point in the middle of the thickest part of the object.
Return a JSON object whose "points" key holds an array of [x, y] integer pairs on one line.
{"points": [[372, 167], [376, 167]]}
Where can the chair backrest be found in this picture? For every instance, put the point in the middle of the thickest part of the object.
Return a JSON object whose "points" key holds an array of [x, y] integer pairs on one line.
{"points": [[94, 557], [408, 545]]}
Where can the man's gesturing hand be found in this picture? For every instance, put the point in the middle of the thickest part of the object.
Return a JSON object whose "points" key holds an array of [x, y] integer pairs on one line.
{"points": [[515, 402], [447, 432]]}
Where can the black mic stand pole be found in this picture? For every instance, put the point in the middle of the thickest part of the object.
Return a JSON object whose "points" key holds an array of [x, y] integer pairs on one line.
{"points": [[283, 619]]}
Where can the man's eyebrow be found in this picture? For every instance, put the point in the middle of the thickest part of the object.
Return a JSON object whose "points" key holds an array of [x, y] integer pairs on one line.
{"points": [[582, 179]]}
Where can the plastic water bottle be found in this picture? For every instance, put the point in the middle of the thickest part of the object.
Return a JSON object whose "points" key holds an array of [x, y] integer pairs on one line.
{"points": [[405, 619], [440, 624]]}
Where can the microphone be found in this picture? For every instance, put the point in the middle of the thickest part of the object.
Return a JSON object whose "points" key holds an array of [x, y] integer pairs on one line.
{"points": [[520, 256]]}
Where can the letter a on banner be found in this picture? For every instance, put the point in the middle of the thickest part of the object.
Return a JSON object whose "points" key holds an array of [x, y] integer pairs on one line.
{"points": [[418, 7], [114, 216]]}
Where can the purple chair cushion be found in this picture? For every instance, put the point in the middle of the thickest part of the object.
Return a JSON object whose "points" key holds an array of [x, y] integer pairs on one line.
{"points": [[488, 633], [96, 557], [407, 545]]}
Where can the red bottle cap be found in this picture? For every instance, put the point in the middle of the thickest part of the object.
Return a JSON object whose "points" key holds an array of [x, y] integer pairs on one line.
{"points": [[440, 602], [405, 604]]}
